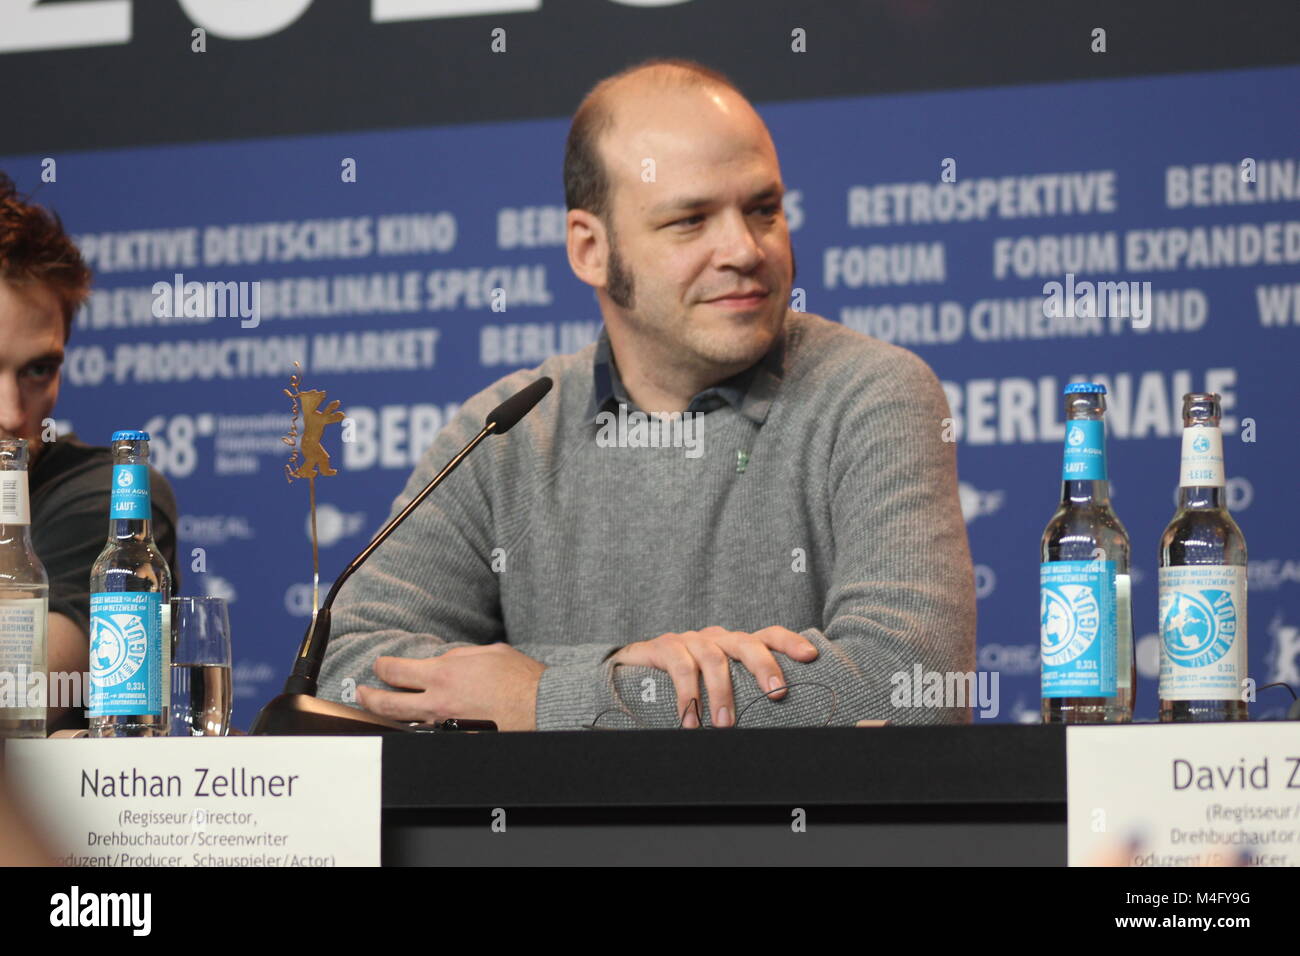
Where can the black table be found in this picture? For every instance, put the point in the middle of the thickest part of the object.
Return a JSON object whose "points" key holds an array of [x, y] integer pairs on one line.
{"points": [[930, 796]]}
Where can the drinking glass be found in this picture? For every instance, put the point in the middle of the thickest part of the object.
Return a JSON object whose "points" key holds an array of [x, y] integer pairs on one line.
{"points": [[201, 692]]}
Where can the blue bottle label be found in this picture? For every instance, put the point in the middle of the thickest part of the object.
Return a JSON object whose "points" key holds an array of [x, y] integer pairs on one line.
{"points": [[1202, 632], [130, 498], [125, 654], [1078, 637], [1085, 451]]}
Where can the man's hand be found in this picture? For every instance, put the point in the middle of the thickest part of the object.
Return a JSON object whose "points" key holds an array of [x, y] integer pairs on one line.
{"points": [[492, 682], [710, 652]]}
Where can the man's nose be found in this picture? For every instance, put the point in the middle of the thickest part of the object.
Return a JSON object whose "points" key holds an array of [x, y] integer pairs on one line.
{"points": [[739, 248], [11, 406]]}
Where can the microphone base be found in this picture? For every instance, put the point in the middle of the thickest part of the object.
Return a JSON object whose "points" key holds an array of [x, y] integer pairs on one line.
{"points": [[303, 715]]}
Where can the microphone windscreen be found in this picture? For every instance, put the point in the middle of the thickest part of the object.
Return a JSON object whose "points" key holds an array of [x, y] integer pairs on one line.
{"points": [[508, 413]]}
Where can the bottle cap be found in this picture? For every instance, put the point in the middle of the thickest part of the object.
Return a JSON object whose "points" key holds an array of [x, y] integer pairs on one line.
{"points": [[130, 435], [1088, 388]]}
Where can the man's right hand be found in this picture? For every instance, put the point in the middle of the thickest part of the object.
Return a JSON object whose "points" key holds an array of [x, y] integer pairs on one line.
{"points": [[709, 653]]}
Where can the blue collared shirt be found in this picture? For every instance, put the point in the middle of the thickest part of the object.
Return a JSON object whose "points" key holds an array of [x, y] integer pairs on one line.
{"points": [[750, 391]]}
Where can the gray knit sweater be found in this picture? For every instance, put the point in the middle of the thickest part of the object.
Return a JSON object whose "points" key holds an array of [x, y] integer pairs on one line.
{"points": [[842, 524]]}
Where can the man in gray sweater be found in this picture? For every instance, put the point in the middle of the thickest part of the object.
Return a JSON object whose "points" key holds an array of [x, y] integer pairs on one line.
{"points": [[722, 504]]}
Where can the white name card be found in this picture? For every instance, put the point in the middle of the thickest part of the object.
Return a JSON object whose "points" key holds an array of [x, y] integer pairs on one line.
{"points": [[1194, 794], [205, 801]]}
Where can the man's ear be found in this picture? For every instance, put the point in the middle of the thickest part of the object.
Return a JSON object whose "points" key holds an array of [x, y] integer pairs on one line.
{"points": [[587, 244]]}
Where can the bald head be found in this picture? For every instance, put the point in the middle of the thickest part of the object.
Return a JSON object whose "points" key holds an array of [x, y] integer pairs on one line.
{"points": [[654, 94]]}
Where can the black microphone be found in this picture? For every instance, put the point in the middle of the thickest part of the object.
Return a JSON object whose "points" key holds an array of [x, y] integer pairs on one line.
{"points": [[296, 710], [506, 415]]}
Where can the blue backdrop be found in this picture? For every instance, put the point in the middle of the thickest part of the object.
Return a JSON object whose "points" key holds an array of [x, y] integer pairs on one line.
{"points": [[380, 288]]}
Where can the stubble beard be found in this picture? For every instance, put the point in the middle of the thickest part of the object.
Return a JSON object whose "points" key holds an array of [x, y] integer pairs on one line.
{"points": [[709, 349]]}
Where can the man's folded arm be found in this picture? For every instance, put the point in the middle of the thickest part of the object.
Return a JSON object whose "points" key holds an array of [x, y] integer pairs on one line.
{"points": [[902, 589], [430, 587]]}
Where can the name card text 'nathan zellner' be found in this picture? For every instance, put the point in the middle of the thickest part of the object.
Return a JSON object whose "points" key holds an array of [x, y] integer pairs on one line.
{"points": [[220, 801]]}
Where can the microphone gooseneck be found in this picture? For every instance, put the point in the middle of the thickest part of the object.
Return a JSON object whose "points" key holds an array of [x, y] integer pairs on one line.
{"points": [[311, 653]]}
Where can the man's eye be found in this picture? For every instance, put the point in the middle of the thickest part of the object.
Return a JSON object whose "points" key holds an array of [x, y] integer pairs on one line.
{"points": [[688, 221], [771, 210], [41, 370]]}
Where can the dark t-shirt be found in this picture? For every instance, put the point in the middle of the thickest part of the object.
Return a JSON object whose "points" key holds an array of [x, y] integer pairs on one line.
{"points": [[70, 486]]}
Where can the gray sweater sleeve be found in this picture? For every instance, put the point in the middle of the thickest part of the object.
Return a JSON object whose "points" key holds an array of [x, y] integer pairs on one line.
{"points": [[902, 584], [430, 587]]}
